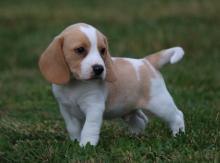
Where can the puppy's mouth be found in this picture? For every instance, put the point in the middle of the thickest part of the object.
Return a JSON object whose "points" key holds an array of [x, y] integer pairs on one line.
{"points": [[91, 77], [95, 77]]}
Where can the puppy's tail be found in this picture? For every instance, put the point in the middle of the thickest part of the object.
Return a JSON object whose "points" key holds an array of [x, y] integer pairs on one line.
{"points": [[172, 55]]}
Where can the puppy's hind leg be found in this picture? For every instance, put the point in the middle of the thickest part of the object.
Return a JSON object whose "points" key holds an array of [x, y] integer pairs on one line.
{"points": [[162, 105], [136, 121]]}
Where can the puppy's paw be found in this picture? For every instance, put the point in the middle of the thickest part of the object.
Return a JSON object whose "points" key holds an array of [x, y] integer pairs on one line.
{"points": [[136, 130], [83, 144], [178, 124], [85, 141], [74, 138]]}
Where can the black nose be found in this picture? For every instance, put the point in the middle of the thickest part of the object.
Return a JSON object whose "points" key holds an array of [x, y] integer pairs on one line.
{"points": [[98, 69]]}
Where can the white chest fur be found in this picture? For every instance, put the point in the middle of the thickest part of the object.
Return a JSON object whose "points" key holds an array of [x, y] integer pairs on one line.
{"points": [[78, 95]]}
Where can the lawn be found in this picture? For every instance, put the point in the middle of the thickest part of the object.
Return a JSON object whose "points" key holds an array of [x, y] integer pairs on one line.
{"points": [[31, 127]]}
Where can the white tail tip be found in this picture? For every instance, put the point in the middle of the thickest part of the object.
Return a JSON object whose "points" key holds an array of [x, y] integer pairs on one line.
{"points": [[177, 54]]}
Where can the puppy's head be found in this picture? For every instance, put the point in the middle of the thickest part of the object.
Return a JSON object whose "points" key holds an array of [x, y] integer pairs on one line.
{"points": [[81, 52]]}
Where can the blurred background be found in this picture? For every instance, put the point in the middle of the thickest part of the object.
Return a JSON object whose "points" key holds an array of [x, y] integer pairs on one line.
{"points": [[30, 124]]}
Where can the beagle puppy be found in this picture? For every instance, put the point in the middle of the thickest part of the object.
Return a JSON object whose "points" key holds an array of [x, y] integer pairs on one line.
{"points": [[90, 85]]}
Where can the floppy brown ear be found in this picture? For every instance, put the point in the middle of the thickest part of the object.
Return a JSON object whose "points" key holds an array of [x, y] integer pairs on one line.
{"points": [[52, 63], [110, 72]]}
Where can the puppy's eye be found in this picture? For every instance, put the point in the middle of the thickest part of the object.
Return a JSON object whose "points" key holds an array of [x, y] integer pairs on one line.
{"points": [[80, 50], [102, 51]]}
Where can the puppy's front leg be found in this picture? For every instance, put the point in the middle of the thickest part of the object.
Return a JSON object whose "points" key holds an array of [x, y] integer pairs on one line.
{"points": [[91, 129], [73, 124]]}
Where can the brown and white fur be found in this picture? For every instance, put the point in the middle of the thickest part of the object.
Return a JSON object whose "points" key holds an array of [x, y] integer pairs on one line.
{"points": [[124, 88]]}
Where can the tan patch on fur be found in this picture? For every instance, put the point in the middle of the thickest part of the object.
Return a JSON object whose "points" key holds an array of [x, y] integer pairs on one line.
{"points": [[74, 38], [127, 90], [154, 59], [126, 87], [146, 75]]}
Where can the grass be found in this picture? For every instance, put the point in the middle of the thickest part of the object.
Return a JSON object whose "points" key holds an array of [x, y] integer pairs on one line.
{"points": [[31, 128]]}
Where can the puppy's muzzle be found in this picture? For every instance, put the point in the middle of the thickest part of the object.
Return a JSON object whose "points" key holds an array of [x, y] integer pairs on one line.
{"points": [[97, 69]]}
